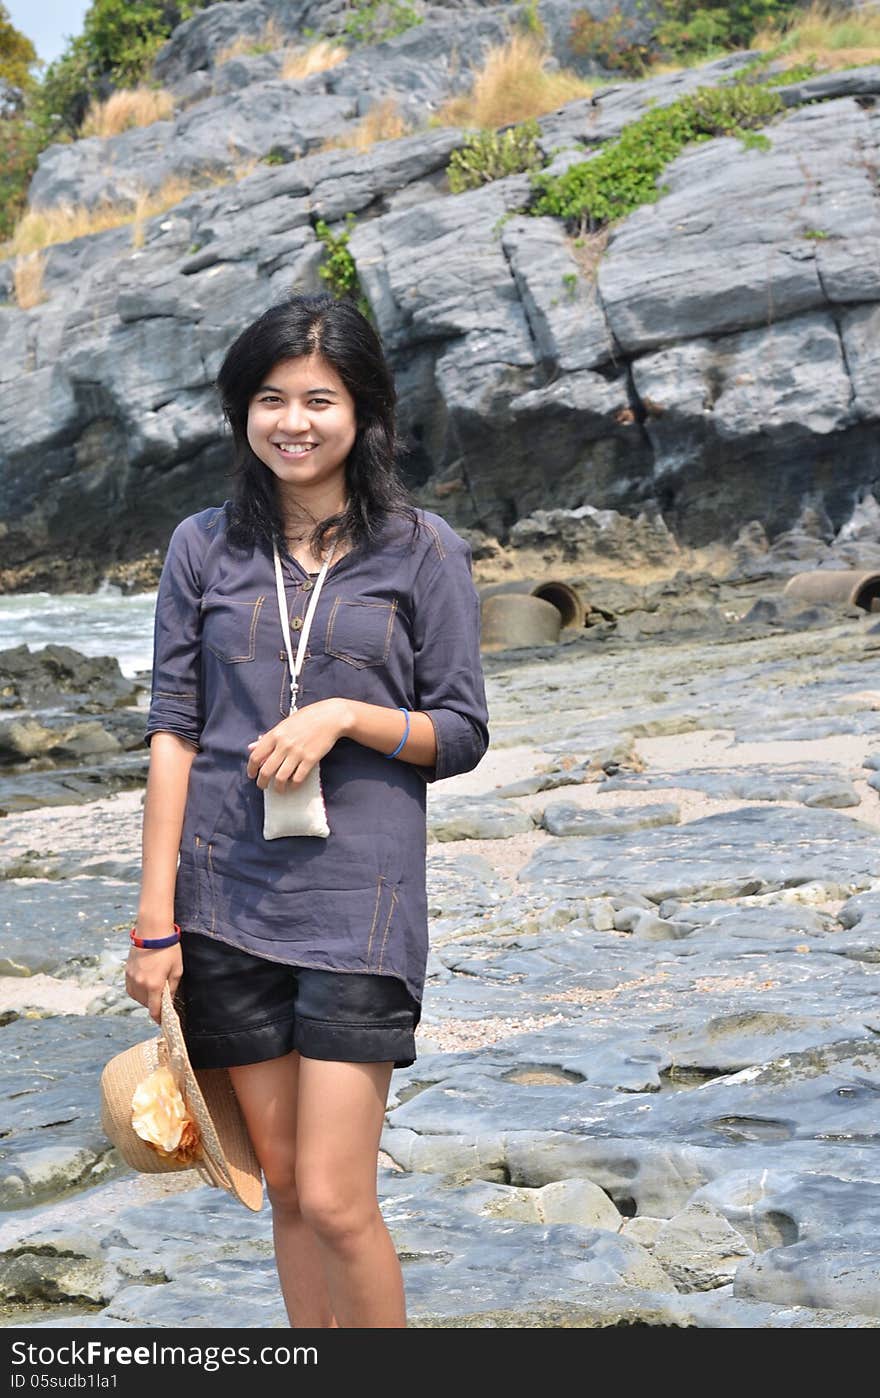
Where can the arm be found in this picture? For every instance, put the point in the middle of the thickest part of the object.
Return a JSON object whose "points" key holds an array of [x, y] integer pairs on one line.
{"points": [[172, 733], [147, 971], [381, 728], [290, 750], [449, 686]]}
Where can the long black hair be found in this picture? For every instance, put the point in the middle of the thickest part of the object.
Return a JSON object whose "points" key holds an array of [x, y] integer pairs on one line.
{"points": [[335, 329]]}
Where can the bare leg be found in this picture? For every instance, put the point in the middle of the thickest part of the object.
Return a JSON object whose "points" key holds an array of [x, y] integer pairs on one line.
{"points": [[267, 1093], [340, 1111]]}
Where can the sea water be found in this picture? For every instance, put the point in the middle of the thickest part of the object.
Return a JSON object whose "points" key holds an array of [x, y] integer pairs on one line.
{"points": [[104, 622]]}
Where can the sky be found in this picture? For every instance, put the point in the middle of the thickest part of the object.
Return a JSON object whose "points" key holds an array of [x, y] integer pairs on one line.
{"points": [[47, 23]]}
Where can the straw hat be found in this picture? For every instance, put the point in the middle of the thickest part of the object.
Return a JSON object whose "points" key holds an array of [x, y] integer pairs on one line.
{"points": [[219, 1146]]}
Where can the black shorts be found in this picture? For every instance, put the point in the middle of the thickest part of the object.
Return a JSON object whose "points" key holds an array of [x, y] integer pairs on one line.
{"points": [[240, 1008]]}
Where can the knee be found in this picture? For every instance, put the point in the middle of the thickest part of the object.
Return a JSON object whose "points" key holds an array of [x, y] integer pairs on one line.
{"points": [[335, 1219], [280, 1176]]}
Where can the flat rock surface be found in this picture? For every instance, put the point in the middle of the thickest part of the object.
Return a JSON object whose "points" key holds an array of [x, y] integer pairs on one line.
{"points": [[648, 1062]]}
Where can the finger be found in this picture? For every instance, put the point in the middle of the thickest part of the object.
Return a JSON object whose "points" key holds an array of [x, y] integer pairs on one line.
{"points": [[271, 766], [287, 769], [253, 763], [257, 762], [154, 1004], [302, 771]]}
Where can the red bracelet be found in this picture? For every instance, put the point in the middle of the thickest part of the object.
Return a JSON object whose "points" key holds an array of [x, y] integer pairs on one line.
{"points": [[153, 944]]}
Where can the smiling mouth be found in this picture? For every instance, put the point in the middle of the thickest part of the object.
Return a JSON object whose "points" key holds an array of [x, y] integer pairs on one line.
{"points": [[294, 448]]}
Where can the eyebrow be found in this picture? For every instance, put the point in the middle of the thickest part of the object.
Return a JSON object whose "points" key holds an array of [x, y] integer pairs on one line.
{"points": [[270, 388]]}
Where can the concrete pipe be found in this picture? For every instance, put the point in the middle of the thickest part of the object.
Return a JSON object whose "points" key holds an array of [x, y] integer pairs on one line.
{"points": [[566, 599], [511, 619], [847, 586]]}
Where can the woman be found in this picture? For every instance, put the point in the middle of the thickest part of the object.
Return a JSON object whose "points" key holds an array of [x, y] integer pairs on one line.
{"points": [[301, 960]]}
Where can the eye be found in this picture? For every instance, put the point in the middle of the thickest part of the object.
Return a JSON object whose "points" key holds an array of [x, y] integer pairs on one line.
{"points": [[268, 398], [320, 400]]}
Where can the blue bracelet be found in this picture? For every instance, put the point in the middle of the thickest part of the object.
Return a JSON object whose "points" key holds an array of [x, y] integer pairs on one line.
{"points": [[402, 742]]}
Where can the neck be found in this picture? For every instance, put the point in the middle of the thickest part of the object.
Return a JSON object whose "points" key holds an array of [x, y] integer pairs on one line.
{"points": [[303, 510]]}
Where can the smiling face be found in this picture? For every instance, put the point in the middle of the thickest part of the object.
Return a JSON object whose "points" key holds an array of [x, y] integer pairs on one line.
{"points": [[302, 425]]}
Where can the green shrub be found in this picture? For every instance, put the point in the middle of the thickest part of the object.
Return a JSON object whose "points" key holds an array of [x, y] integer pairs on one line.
{"points": [[691, 26], [21, 140], [623, 175], [529, 20], [17, 54], [797, 73], [119, 41], [490, 155], [338, 268], [682, 29], [610, 42], [370, 21], [704, 31]]}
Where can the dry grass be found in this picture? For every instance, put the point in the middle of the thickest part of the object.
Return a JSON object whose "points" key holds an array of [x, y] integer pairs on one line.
{"points": [[246, 45], [137, 106], [816, 33], [41, 228], [384, 122], [27, 280], [513, 84], [587, 250], [823, 34], [317, 58]]}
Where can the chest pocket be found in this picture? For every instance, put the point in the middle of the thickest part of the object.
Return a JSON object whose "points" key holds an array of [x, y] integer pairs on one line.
{"points": [[229, 626], [360, 632]]}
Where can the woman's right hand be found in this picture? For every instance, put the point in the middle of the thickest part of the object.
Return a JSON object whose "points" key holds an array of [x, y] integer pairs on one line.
{"points": [[146, 973]]}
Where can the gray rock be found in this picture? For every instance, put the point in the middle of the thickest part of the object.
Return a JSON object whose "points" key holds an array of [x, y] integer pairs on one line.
{"points": [[546, 781], [705, 379], [560, 818], [564, 312], [70, 786], [50, 925], [475, 818], [829, 1273], [744, 851], [813, 785], [59, 674], [53, 1140], [699, 1249]]}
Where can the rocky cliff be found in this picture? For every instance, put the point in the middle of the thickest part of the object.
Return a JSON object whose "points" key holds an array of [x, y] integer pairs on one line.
{"points": [[719, 366]]}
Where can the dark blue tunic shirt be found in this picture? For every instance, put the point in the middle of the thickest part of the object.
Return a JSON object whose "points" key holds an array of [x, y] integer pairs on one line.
{"points": [[396, 626]]}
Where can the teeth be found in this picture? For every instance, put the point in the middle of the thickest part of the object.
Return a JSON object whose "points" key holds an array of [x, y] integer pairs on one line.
{"points": [[293, 450]]}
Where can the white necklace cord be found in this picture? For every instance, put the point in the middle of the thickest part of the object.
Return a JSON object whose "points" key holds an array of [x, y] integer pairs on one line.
{"points": [[296, 665]]}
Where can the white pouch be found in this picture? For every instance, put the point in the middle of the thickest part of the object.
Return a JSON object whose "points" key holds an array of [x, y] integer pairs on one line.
{"points": [[300, 809]]}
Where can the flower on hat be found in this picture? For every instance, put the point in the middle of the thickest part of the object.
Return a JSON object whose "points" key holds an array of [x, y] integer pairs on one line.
{"points": [[159, 1116]]}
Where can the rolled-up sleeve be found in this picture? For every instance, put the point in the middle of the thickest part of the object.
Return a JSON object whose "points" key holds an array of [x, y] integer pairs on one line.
{"points": [[449, 683], [176, 697]]}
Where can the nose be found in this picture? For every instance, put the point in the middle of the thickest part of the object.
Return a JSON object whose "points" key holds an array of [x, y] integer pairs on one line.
{"points": [[293, 418]]}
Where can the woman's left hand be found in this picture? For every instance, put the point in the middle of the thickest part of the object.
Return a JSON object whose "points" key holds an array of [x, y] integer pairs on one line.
{"points": [[290, 750]]}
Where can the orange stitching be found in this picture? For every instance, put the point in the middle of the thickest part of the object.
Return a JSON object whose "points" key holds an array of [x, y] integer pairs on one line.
{"points": [[428, 525], [375, 915], [387, 925], [351, 660], [392, 614], [236, 659], [328, 637], [211, 884]]}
